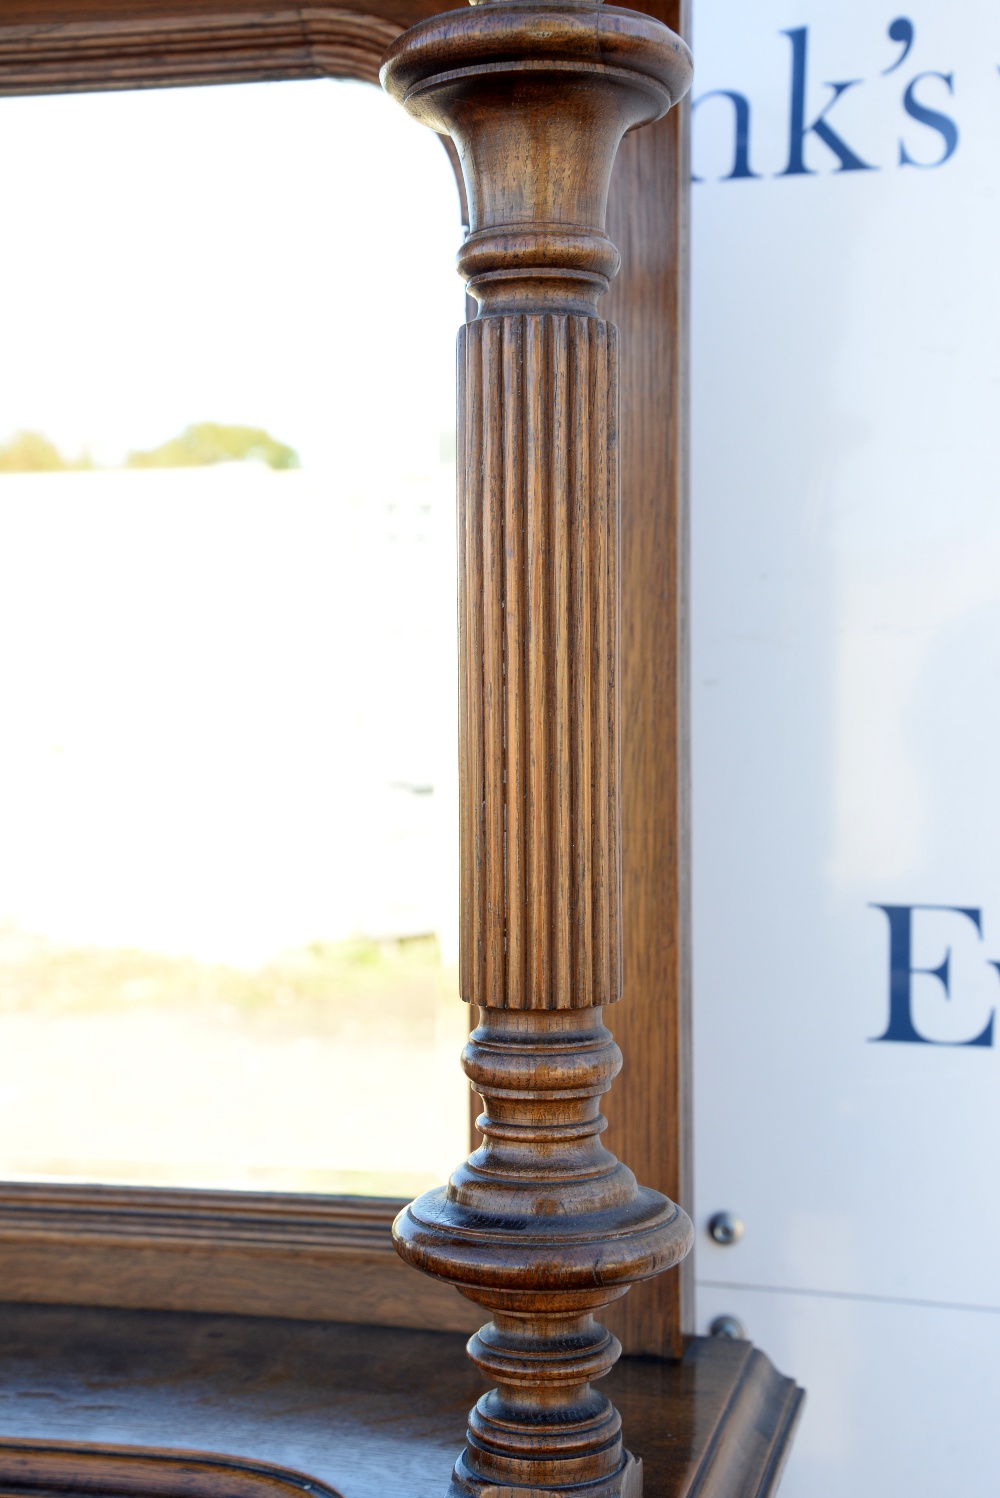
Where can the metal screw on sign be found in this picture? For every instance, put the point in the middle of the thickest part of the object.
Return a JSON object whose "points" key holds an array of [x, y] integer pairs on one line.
{"points": [[726, 1228], [730, 1328]]}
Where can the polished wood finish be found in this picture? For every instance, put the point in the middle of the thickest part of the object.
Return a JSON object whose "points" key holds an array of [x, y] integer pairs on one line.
{"points": [[79, 1468], [57, 45], [542, 1226], [366, 1411]]}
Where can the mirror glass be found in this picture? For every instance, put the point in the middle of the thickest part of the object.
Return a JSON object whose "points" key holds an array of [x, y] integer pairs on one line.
{"points": [[228, 847]]}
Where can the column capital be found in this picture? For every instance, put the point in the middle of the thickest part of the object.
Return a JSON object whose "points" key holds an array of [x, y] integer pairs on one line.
{"points": [[537, 98]]}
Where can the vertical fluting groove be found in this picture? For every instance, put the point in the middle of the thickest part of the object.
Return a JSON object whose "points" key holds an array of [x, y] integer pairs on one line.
{"points": [[470, 644], [601, 704], [539, 727], [612, 583], [493, 656], [479, 931], [465, 445], [584, 498], [516, 711], [559, 706], [538, 640]]}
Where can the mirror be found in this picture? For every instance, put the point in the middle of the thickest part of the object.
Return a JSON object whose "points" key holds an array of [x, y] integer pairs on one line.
{"points": [[228, 847]]}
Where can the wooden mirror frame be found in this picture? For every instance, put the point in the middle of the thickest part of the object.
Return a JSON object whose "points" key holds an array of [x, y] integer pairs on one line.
{"points": [[332, 1257]]}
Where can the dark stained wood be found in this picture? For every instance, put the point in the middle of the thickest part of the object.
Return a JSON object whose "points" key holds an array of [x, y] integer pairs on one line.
{"points": [[542, 1226], [53, 45], [133, 1472], [369, 1412], [719, 1421]]}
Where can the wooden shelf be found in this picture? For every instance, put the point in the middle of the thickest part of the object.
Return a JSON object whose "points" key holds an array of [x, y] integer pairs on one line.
{"points": [[370, 1412]]}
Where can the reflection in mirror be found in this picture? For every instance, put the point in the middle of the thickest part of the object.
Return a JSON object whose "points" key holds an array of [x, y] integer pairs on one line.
{"points": [[228, 866]]}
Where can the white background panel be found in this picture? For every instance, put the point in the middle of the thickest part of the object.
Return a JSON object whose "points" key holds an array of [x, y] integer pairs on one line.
{"points": [[846, 659], [902, 1400], [846, 710]]}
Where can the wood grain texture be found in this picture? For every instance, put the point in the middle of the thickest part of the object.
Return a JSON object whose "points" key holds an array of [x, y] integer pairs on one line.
{"points": [[538, 648], [649, 1111], [255, 1253], [366, 1411], [155, 49], [542, 1226]]}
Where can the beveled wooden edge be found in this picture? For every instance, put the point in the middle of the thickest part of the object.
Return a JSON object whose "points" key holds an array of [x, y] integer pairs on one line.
{"points": [[717, 1424], [267, 1254], [71, 1467], [153, 1214], [745, 1453], [223, 46]]}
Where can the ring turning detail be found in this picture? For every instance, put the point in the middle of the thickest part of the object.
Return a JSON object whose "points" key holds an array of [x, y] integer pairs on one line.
{"points": [[542, 1226]]}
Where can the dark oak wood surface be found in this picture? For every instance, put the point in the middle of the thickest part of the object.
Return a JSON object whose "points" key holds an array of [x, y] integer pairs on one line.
{"points": [[368, 1411], [85, 1467]]}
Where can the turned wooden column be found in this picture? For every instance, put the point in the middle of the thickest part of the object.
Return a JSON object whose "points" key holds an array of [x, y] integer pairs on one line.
{"points": [[542, 1225]]}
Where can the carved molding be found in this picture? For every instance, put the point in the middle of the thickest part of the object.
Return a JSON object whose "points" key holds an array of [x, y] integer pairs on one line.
{"points": [[144, 1215], [257, 1253], [748, 1438], [224, 47]]}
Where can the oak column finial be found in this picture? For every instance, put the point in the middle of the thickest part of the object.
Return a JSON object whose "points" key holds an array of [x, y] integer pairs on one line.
{"points": [[542, 1225]]}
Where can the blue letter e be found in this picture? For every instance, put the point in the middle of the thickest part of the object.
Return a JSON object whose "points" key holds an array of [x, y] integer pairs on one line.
{"points": [[901, 971]]}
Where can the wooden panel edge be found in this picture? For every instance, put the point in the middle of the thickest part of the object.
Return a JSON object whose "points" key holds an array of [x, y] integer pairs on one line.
{"points": [[65, 1211], [746, 1452], [377, 1290], [650, 1112], [142, 50], [305, 1257]]}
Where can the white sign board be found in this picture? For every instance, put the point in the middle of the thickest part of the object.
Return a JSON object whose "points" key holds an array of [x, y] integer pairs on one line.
{"points": [[846, 721]]}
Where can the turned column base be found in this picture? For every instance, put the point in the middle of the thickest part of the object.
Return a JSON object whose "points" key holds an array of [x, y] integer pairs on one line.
{"points": [[625, 1483], [543, 1228]]}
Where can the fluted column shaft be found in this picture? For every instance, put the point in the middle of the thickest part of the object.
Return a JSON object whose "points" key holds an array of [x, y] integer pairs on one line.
{"points": [[538, 650]]}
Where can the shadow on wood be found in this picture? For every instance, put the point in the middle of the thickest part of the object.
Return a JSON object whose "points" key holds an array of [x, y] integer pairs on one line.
{"points": [[367, 1411]]}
